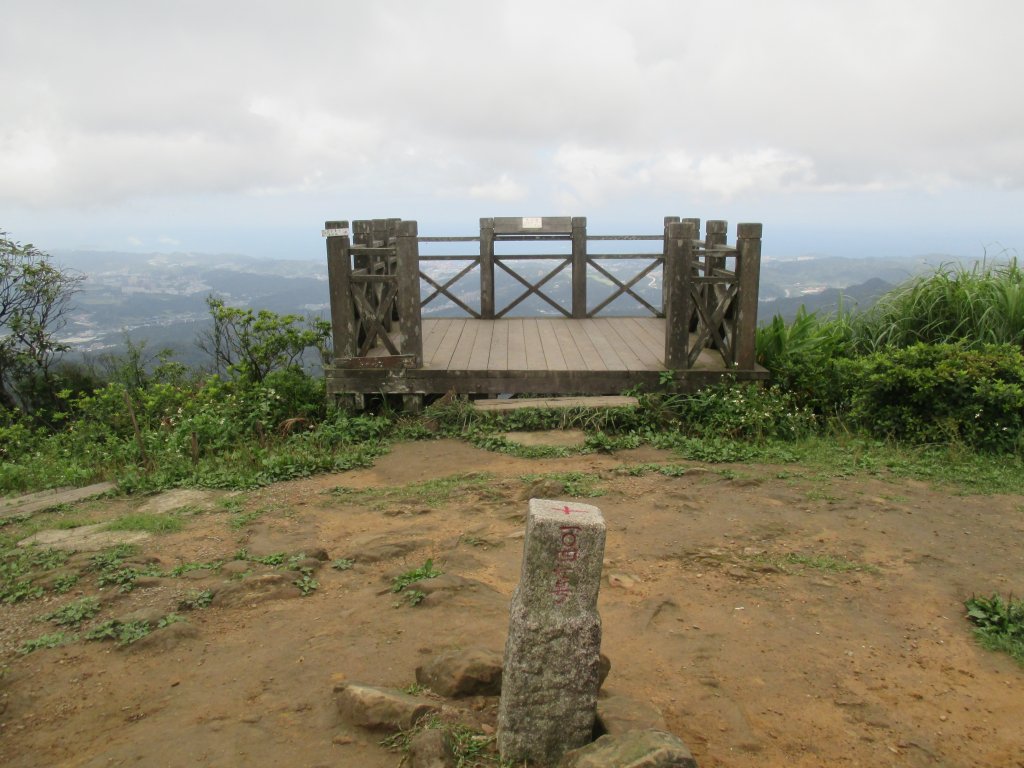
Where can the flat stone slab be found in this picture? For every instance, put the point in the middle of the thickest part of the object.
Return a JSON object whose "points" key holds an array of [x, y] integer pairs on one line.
{"points": [[635, 749], [381, 709], [28, 504], [85, 538], [549, 438], [168, 501]]}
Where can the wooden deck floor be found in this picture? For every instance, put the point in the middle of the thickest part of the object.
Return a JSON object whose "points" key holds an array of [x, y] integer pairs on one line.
{"points": [[599, 356], [549, 344]]}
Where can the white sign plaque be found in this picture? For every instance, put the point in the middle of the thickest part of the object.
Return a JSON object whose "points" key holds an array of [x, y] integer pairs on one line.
{"points": [[334, 232], [532, 222]]}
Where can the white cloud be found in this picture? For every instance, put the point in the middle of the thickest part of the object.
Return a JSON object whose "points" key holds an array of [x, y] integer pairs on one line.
{"points": [[503, 189], [545, 104]]}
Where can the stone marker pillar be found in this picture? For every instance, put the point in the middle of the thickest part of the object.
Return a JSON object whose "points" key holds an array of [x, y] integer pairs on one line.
{"points": [[550, 679]]}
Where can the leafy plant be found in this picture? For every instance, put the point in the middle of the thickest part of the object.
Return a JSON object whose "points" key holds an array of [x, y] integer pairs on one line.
{"points": [[307, 584], [124, 633], [45, 641], [74, 613], [998, 624], [425, 571], [195, 600], [342, 564]]}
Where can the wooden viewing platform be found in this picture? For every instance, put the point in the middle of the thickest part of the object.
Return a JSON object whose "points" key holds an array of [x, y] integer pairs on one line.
{"points": [[700, 328]]}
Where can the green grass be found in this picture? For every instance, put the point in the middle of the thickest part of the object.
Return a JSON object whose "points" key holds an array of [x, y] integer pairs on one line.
{"points": [[980, 305], [470, 748], [149, 523], [814, 561], [998, 624]]}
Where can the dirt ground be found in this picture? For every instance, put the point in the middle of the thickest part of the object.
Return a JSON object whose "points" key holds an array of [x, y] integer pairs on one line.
{"points": [[775, 616]]}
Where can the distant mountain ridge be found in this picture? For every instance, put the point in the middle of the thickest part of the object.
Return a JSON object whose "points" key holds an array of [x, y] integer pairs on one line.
{"points": [[161, 298]]}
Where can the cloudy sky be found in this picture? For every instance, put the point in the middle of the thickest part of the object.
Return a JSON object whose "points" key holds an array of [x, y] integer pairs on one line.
{"points": [[847, 127]]}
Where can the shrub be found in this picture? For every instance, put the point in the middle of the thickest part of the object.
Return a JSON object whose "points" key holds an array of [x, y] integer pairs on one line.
{"points": [[941, 393], [802, 356]]}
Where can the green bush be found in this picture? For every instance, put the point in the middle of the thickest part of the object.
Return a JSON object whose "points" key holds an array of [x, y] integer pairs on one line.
{"points": [[733, 411], [802, 357], [941, 393]]}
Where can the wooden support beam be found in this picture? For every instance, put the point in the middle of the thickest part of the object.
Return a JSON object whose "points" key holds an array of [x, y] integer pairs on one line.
{"points": [[339, 273], [579, 267], [518, 403], [678, 272], [410, 322], [487, 269], [748, 275]]}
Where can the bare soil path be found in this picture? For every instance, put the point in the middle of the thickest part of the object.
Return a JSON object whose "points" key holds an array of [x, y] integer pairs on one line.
{"points": [[775, 616]]}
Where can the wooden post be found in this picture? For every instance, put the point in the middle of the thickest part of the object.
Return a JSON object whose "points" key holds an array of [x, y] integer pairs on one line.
{"points": [[665, 266], [748, 275], [716, 234], [339, 272], [579, 267], [679, 237], [410, 323], [486, 269], [379, 233]]}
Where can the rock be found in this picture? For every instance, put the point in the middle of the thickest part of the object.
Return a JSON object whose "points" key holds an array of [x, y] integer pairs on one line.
{"points": [[373, 549], [621, 580], [468, 672], [634, 749], [618, 714], [545, 488], [165, 638], [254, 589], [431, 748], [85, 538], [169, 501], [551, 438], [456, 590], [550, 680], [381, 709], [604, 666], [656, 610]]}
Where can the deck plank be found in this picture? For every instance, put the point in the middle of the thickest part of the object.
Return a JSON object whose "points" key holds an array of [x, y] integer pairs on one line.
{"points": [[603, 345], [464, 347], [534, 351], [516, 345], [570, 351], [650, 359], [653, 329], [549, 342], [592, 359], [654, 347], [481, 350], [433, 332], [620, 344], [443, 354], [497, 360]]}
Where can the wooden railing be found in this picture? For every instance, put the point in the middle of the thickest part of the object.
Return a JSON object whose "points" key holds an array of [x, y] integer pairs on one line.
{"points": [[710, 293], [378, 285], [488, 264], [374, 290]]}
